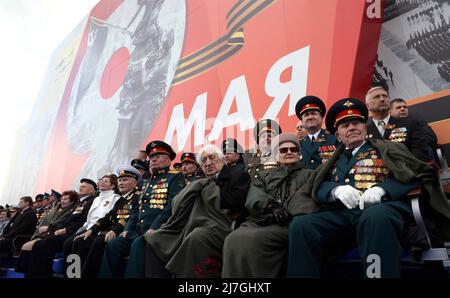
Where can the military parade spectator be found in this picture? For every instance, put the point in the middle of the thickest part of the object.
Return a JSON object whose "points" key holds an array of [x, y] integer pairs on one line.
{"points": [[90, 245], [190, 168], [190, 243], [154, 209], [43, 251], [258, 248], [363, 184], [300, 131], [4, 219], [233, 152], [318, 146], [407, 131], [263, 133], [52, 222], [398, 108], [24, 223]]}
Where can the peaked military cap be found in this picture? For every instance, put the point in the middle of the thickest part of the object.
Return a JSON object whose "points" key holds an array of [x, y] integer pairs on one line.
{"points": [[139, 164], [39, 198], [231, 145], [266, 125], [188, 157], [56, 194], [344, 110], [159, 147], [177, 165], [128, 171], [309, 103], [89, 181]]}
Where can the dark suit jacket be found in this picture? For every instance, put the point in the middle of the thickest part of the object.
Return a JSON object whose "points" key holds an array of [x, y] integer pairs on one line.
{"points": [[23, 224], [417, 140], [234, 186], [74, 221]]}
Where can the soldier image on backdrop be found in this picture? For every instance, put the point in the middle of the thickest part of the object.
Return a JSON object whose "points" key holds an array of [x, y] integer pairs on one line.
{"points": [[363, 185], [318, 145], [258, 248], [154, 209], [407, 131], [91, 244], [190, 243], [233, 154], [43, 251], [190, 168], [264, 131]]}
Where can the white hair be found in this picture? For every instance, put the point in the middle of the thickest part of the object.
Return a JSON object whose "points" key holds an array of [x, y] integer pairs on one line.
{"points": [[209, 149], [373, 89]]}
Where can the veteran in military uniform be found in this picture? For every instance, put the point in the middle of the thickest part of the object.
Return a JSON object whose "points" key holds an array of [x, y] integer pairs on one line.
{"points": [[318, 145], [258, 248], [363, 184], [154, 209], [407, 131], [91, 244], [264, 131], [233, 154], [190, 168]]}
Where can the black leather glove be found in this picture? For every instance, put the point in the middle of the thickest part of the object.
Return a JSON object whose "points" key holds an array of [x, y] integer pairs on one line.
{"points": [[281, 216]]}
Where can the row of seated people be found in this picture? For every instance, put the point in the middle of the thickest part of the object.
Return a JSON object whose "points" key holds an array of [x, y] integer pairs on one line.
{"points": [[171, 226], [398, 7]]}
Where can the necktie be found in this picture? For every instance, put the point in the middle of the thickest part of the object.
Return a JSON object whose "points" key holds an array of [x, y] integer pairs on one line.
{"points": [[312, 141], [348, 154], [380, 127]]}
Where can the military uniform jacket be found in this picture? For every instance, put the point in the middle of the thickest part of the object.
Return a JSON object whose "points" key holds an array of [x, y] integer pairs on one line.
{"points": [[314, 153], [116, 219], [406, 131], [402, 166], [155, 202], [78, 216], [282, 186], [23, 224], [254, 166], [54, 220]]}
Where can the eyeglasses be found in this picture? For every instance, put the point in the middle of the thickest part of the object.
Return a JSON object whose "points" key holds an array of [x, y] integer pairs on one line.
{"points": [[285, 150]]}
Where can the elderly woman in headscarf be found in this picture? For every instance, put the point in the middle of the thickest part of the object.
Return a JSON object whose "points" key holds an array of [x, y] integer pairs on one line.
{"points": [[190, 243], [258, 248]]}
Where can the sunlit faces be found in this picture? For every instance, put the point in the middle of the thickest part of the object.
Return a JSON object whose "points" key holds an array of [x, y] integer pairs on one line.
{"points": [[65, 201], [159, 162], [351, 133], [105, 184], [189, 168], [126, 184], [312, 121], [211, 164], [288, 153], [232, 157], [399, 109], [85, 189], [377, 101]]}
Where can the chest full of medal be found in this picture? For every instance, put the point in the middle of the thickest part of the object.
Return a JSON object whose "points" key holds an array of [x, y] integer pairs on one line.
{"points": [[159, 195], [368, 172]]}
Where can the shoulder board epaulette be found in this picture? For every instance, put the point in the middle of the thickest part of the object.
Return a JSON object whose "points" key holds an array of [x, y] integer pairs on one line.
{"points": [[173, 172], [139, 192]]}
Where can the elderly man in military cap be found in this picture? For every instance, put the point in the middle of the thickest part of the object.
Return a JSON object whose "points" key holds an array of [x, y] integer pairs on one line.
{"points": [[233, 154], [364, 184], [258, 248], [190, 168], [142, 167], [318, 145], [264, 131], [90, 245], [154, 209]]}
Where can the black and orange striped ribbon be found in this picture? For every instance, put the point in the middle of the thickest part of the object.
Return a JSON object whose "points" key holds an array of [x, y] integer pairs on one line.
{"points": [[223, 48]]}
